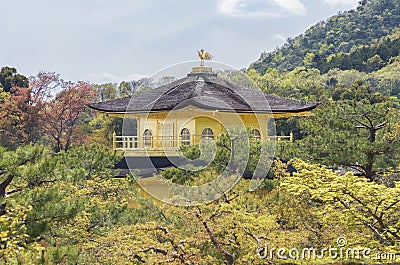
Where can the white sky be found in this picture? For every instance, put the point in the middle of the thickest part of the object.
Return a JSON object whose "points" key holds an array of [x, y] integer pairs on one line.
{"points": [[114, 40]]}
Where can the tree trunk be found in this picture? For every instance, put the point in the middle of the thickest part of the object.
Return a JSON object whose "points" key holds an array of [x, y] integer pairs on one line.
{"points": [[370, 156], [372, 135], [3, 187], [369, 167]]}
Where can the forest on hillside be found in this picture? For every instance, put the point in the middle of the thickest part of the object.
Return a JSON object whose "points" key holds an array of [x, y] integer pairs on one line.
{"points": [[336, 186], [364, 39]]}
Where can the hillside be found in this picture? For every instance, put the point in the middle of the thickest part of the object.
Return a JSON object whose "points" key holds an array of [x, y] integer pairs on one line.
{"points": [[364, 39]]}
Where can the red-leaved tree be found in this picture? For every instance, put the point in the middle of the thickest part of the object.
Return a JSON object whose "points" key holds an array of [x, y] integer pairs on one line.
{"points": [[21, 117], [63, 114], [33, 114]]}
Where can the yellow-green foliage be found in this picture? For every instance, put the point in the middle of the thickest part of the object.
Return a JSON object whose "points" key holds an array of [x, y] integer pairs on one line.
{"points": [[85, 216], [365, 212]]}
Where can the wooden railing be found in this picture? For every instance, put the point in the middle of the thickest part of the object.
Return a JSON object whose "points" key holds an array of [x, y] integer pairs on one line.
{"points": [[279, 138], [168, 142]]}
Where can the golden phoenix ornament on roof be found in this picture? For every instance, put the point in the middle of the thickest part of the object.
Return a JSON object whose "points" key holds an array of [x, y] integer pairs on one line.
{"points": [[203, 55]]}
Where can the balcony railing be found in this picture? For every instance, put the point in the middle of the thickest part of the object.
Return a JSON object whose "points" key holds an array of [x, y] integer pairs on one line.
{"points": [[169, 142]]}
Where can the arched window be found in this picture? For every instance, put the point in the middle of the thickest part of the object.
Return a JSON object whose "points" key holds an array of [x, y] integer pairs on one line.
{"points": [[256, 134], [148, 138], [185, 136], [207, 134]]}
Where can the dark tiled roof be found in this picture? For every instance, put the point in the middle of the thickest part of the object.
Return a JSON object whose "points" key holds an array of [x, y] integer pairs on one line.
{"points": [[207, 92]]}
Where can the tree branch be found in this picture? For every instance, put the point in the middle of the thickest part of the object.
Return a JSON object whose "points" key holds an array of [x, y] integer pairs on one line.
{"points": [[228, 257], [4, 185]]}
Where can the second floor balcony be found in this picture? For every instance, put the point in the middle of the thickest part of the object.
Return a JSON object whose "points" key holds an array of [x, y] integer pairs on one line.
{"points": [[149, 145]]}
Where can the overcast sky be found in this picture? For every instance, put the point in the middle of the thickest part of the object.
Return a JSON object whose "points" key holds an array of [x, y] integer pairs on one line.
{"points": [[113, 40]]}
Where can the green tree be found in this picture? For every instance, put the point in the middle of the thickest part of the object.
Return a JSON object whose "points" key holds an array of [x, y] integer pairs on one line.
{"points": [[125, 89], [357, 135], [106, 91], [374, 63], [9, 78], [358, 91], [45, 194]]}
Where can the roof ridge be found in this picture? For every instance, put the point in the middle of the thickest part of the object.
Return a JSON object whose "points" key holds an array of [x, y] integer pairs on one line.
{"points": [[232, 88], [172, 88], [196, 92]]}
